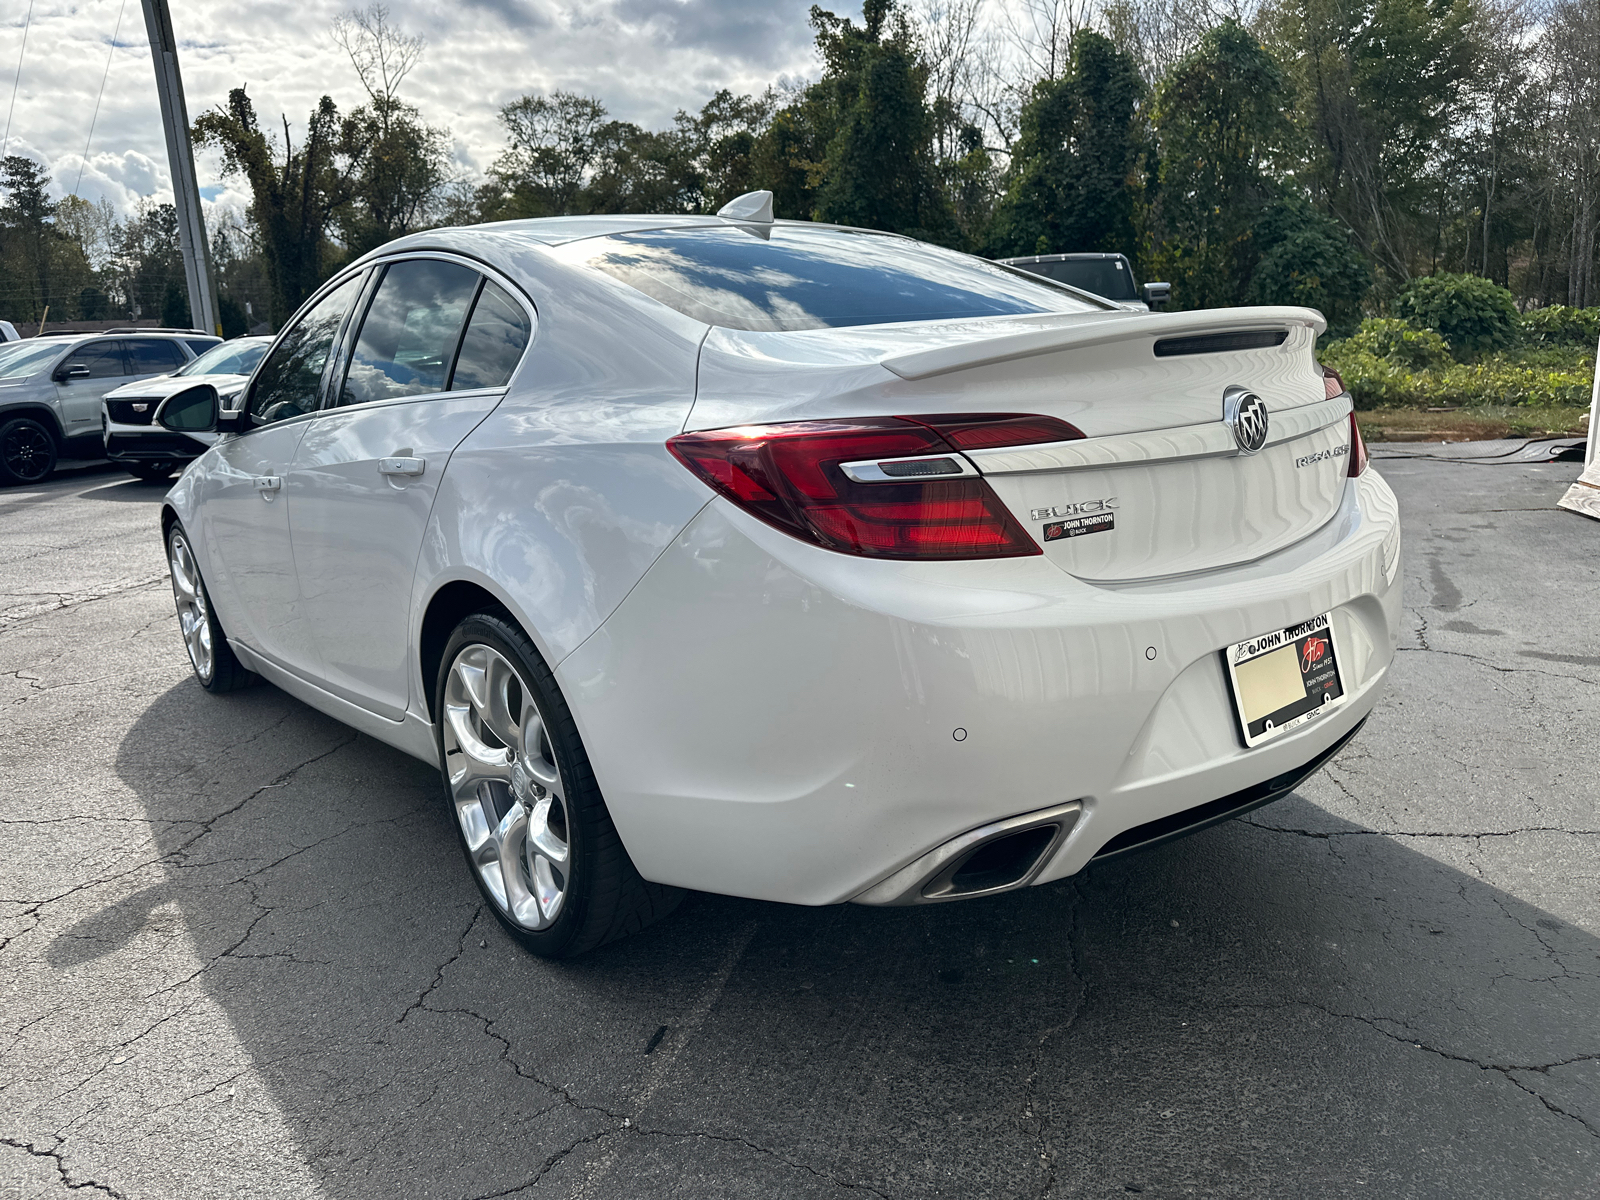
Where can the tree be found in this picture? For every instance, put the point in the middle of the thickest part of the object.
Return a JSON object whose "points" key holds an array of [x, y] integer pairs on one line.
{"points": [[1378, 85], [554, 141], [402, 159], [296, 194], [1308, 258], [40, 264], [1072, 173], [879, 171], [1219, 125]]}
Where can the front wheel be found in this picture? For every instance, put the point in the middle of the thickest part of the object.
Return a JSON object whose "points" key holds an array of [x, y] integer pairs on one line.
{"points": [[534, 827], [213, 660], [27, 451]]}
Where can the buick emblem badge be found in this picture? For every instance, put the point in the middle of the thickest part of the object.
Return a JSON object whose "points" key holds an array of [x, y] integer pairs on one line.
{"points": [[1245, 413]]}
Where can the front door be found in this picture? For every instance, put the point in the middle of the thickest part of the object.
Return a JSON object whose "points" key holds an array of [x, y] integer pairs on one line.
{"points": [[246, 492], [86, 375], [369, 468]]}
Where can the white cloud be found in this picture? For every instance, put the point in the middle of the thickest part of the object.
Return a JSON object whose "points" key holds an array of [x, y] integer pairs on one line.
{"points": [[644, 59]]}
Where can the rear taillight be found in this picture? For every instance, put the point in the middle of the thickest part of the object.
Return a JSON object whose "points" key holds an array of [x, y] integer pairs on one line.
{"points": [[1332, 385], [1358, 449], [908, 492]]}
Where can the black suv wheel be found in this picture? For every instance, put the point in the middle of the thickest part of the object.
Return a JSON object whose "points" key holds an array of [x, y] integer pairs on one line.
{"points": [[27, 451]]}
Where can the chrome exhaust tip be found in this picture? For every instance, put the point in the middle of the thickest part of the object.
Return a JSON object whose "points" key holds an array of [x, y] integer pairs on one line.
{"points": [[986, 861]]}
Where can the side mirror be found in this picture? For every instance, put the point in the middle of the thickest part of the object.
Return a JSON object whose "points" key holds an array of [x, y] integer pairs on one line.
{"points": [[73, 371], [233, 420], [1157, 295], [191, 411]]}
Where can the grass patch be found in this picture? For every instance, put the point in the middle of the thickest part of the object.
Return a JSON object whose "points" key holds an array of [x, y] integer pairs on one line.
{"points": [[1480, 422]]}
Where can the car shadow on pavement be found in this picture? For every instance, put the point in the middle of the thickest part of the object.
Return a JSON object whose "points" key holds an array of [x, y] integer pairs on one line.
{"points": [[1289, 1004]]}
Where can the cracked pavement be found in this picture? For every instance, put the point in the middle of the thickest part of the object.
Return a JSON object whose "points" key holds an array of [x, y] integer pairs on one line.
{"points": [[240, 955]]}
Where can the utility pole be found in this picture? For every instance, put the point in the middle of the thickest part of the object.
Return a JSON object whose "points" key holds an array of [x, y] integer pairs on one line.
{"points": [[185, 188]]}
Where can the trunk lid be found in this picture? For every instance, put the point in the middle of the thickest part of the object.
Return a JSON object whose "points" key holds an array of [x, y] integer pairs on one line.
{"points": [[1157, 487]]}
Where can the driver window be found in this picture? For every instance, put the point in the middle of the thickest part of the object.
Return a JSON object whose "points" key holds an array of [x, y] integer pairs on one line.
{"points": [[290, 377], [410, 332], [104, 360]]}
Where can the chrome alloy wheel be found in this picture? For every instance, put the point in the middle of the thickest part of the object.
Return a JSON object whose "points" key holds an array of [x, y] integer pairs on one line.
{"points": [[506, 787], [194, 615]]}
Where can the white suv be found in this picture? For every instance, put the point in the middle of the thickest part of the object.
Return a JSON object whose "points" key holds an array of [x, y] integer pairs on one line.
{"points": [[51, 388]]}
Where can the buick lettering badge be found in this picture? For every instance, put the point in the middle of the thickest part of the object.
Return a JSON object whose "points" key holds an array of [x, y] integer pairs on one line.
{"points": [[1244, 412]]}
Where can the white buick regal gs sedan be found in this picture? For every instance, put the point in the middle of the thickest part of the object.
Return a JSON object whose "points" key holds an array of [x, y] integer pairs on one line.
{"points": [[788, 561]]}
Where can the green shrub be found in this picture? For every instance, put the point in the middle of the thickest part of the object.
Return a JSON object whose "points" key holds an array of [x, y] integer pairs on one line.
{"points": [[1402, 343], [1474, 314], [1561, 325], [1540, 377]]}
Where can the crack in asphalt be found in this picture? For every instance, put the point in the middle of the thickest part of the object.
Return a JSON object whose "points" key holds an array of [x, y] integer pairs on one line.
{"points": [[19, 615], [1413, 833], [1504, 1069], [61, 1167]]}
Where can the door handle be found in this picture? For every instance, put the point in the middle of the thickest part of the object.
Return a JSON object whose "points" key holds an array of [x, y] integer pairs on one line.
{"points": [[402, 466], [268, 484]]}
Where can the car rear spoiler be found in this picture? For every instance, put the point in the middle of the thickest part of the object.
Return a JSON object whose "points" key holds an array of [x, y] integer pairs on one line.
{"points": [[1077, 331]]}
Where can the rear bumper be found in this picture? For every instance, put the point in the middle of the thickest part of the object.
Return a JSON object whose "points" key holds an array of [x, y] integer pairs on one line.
{"points": [[768, 719]]}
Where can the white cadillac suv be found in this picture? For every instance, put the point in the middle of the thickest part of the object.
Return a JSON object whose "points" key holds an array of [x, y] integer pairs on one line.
{"points": [[788, 561]]}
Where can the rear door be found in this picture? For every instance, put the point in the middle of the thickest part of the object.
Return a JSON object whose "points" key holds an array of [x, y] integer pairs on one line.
{"points": [[243, 499], [435, 349], [148, 357]]}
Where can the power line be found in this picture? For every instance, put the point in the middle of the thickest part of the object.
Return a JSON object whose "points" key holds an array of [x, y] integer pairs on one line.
{"points": [[17, 82], [84, 161]]}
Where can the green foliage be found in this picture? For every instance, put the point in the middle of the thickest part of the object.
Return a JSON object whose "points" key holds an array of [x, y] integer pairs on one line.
{"points": [[231, 316], [402, 168], [1308, 258], [1473, 314], [1401, 343], [175, 305], [878, 169], [1072, 179], [1560, 325], [1378, 380], [1219, 122], [40, 264], [296, 193]]}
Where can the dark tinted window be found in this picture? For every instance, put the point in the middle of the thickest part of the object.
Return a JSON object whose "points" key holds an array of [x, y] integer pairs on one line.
{"points": [[201, 345], [496, 337], [410, 331], [104, 359], [154, 357], [805, 277], [287, 382], [1108, 277]]}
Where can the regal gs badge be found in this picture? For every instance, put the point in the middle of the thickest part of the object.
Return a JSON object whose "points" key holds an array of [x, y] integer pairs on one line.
{"points": [[1245, 413]]}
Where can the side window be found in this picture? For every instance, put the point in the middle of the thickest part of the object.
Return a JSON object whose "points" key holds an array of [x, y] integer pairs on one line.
{"points": [[496, 337], [288, 379], [410, 332], [104, 359], [154, 357]]}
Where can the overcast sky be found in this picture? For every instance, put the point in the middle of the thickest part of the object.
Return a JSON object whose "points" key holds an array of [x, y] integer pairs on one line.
{"points": [[643, 58]]}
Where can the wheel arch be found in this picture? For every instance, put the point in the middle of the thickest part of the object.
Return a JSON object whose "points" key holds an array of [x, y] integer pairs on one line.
{"points": [[37, 411], [449, 605]]}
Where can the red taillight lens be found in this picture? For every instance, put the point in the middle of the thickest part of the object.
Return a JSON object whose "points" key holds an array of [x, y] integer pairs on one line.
{"points": [[1332, 385], [789, 476], [989, 431], [1358, 449]]}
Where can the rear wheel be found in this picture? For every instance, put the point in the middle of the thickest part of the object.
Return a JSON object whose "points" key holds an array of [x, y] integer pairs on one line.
{"points": [[152, 470], [27, 451], [213, 660], [534, 827]]}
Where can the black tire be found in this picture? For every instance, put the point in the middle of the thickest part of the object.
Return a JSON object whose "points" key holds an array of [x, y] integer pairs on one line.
{"points": [[27, 451], [603, 897], [153, 470], [216, 667]]}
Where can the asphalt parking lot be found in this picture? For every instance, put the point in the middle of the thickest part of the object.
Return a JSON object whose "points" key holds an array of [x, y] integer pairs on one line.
{"points": [[240, 954]]}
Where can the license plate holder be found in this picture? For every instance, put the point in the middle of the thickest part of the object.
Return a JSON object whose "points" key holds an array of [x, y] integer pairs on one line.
{"points": [[1284, 679]]}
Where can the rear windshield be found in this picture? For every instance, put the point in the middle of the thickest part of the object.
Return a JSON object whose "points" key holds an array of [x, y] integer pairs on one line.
{"points": [[805, 277], [1108, 277]]}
